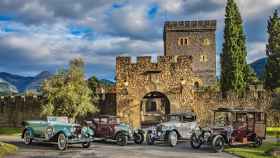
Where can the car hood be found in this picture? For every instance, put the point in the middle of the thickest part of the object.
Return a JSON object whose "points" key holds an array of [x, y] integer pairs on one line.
{"points": [[52, 123], [169, 123]]}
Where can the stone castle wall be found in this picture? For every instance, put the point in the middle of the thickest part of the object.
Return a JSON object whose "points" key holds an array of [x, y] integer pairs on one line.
{"points": [[170, 75], [199, 41], [15, 109]]}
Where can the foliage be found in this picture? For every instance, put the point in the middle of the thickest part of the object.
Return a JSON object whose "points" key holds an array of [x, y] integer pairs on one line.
{"points": [[68, 94], [273, 131], [233, 59], [250, 152], [251, 77], [6, 149], [9, 131], [272, 68]]}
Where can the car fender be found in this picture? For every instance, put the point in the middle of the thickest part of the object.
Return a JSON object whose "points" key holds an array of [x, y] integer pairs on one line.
{"points": [[55, 136], [173, 130], [25, 129], [121, 132]]}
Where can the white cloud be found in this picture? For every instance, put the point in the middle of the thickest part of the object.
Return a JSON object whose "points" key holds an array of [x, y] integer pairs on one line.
{"points": [[256, 50]]}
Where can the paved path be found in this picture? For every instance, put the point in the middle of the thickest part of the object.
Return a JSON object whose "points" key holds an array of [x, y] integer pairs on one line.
{"points": [[111, 150]]}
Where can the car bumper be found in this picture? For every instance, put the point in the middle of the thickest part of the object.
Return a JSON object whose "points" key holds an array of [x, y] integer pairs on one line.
{"points": [[80, 140]]}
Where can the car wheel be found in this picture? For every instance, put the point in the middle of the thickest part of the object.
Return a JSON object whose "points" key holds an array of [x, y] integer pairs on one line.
{"points": [[86, 145], [138, 138], [195, 142], [172, 138], [61, 142], [27, 137], [122, 139], [149, 139], [218, 143], [257, 141]]}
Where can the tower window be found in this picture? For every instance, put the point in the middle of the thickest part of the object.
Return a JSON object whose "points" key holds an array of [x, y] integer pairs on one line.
{"points": [[183, 41], [206, 42], [203, 58]]}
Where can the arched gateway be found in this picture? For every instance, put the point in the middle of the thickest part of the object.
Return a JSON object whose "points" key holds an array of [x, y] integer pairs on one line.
{"points": [[146, 91], [155, 106]]}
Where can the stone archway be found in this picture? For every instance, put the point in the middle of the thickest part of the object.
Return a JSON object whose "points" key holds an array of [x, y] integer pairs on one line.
{"points": [[154, 107]]}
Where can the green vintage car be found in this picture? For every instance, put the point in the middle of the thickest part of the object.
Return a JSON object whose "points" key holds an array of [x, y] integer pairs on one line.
{"points": [[59, 130]]}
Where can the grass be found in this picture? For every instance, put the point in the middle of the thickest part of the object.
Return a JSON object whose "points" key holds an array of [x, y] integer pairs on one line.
{"points": [[273, 131], [10, 131], [251, 152], [6, 149]]}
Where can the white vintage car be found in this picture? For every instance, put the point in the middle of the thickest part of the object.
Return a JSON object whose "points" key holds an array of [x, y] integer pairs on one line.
{"points": [[178, 126]]}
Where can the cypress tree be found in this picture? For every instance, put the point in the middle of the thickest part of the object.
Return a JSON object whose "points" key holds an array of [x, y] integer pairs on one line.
{"points": [[234, 68], [272, 68]]}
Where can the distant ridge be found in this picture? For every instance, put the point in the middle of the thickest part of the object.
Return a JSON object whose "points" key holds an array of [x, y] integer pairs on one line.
{"points": [[22, 83], [259, 67]]}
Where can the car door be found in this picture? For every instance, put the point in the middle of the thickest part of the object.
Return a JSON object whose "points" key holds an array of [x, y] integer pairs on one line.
{"points": [[187, 125], [39, 129]]}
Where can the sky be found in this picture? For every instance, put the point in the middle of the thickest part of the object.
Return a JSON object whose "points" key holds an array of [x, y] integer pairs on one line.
{"points": [[38, 35]]}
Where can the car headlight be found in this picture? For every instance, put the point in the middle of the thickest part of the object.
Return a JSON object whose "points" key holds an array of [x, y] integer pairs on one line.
{"points": [[49, 132]]}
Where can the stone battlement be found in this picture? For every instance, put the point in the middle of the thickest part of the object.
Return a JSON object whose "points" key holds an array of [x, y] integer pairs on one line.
{"points": [[190, 25], [144, 60]]}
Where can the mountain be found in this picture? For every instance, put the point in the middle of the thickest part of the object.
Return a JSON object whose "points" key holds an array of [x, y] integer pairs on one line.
{"points": [[37, 81], [22, 83], [18, 81], [6, 88], [106, 82], [259, 66]]}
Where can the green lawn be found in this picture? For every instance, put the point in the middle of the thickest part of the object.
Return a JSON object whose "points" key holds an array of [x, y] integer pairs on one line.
{"points": [[10, 131], [273, 131], [6, 149], [251, 152]]}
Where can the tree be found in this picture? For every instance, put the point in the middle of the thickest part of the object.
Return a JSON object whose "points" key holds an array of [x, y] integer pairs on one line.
{"points": [[272, 68], [233, 58], [68, 94], [251, 76]]}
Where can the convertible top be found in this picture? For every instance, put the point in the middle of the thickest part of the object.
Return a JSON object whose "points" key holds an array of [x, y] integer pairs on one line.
{"points": [[237, 109]]}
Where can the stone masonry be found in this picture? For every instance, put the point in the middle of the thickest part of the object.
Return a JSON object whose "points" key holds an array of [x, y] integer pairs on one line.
{"points": [[196, 39], [170, 76]]}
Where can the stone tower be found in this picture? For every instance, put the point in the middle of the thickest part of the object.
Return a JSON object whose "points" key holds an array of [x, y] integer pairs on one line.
{"points": [[196, 39]]}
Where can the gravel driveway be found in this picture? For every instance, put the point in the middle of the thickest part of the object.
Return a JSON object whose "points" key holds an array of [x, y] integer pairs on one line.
{"points": [[111, 150]]}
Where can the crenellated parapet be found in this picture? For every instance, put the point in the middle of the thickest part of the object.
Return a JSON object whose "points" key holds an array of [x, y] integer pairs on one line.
{"points": [[141, 61], [190, 25]]}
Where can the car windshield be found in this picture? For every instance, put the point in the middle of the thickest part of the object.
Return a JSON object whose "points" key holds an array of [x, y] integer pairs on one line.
{"points": [[223, 119], [174, 118], [114, 121], [188, 118]]}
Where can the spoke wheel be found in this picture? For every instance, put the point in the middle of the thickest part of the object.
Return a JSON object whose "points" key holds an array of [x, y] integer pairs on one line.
{"points": [[149, 139], [138, 138], [86, 145], [62, 142], [172, 138], [122, 139], [27, 137], [257, 142], [218, 143], [195, 142]]}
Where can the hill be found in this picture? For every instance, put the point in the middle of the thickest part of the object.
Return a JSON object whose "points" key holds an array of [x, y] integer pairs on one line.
{"points": [[22, 83], [259, 66]]}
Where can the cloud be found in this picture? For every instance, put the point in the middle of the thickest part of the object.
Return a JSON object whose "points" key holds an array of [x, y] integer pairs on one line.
{"points": [[40, 35], [256, 51]]}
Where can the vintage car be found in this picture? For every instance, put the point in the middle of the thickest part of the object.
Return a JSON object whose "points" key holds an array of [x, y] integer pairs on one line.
{"points": [[108, 127], [178, 126], [232, 126], [57, 129]]}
